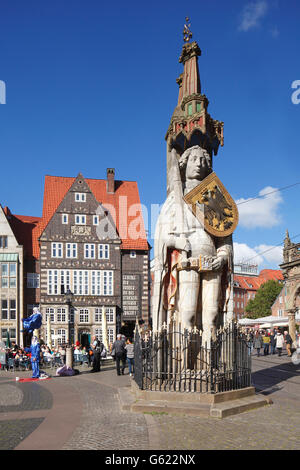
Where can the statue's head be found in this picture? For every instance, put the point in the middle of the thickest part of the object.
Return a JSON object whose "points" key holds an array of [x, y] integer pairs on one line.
{"points": [[195, 163]]}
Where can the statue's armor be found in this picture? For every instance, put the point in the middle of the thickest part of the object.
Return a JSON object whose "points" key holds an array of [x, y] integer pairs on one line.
{"points": [[201, 242]]}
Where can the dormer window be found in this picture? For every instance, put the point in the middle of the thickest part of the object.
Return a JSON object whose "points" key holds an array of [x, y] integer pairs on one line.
{"points": [[80, 197]]}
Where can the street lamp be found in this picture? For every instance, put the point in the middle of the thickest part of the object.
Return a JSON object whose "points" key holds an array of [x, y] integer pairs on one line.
{"points": [[69, 296]]}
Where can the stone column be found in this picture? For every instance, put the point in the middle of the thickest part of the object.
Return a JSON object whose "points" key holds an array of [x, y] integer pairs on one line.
{"points": [[69, 356], [292, 323]]}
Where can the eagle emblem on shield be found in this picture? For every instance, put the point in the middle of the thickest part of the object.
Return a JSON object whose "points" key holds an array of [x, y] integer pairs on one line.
{"points": [[219, 209]]}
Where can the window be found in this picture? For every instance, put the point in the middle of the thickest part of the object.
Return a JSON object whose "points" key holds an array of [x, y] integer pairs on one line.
{"points": [[53, 281], [61, 315], [65, 281], [280, 313], [8, 275], [110, 334], [96, 283], [103, 252], [80, 219], [95, 219], [12, 309], [64, 218], [4, 309], [50, 311], [12, 334], [107, 283], [33, 280], [61, 336], [56, 250], [3, 241], [98, 334], [98, 314], [89, 251], [83, 315], [190, 109], [280, 299], [71, 250], [198, 107], [80, 197], [132, 254], [81, 282], [109, 311]]}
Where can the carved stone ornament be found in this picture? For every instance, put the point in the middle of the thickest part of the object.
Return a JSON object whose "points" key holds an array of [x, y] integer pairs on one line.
{"points": [[80, 230], [220, 211]]}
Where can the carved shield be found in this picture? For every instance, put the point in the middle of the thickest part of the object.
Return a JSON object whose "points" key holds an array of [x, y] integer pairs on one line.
{"points": [[220, 211]]}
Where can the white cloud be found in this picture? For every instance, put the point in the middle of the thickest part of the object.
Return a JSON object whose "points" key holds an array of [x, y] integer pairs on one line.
{"points": [[261, 212], [252, 14], [272, 254], [262, 254], [243, 253]]}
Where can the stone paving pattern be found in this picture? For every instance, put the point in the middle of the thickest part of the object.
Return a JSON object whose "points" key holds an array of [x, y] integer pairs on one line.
{"points": [[102, 424]]}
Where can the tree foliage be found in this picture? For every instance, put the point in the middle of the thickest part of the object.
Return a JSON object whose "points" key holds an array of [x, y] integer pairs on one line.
{"points": [[261, 305]]}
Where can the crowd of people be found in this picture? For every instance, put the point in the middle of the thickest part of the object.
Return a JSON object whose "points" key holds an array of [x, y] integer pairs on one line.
{"points": [[122, 351], [269, 341]]}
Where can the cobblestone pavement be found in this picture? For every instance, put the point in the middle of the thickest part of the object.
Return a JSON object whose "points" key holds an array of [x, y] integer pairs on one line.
{"points": [[100, 423], [276, 426], [103, 425]]}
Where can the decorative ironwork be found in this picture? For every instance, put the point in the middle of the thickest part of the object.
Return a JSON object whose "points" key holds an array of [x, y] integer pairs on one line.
{"points": [[178, 361]]}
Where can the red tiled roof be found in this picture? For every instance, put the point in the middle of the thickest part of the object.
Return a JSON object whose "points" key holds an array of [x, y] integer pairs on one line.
{"points": [[256, 281], [25, 230], [126, 196]]}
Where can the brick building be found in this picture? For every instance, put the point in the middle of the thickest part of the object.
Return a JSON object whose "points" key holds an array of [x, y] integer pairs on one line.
{"points": [[245, 288], [91, 241]]}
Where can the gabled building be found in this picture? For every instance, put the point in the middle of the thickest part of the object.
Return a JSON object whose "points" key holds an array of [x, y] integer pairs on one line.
{"points": [[11, 280], [91, 241]]}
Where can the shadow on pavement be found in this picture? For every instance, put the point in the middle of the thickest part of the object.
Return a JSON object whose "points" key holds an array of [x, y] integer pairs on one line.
{"points": [[267, 379]]}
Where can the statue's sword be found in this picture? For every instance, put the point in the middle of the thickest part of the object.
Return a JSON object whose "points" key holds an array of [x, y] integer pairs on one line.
{"points": [[179, 204]]}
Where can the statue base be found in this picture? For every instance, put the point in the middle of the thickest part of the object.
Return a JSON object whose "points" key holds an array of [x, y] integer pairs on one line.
{"points": [[218, 405]]}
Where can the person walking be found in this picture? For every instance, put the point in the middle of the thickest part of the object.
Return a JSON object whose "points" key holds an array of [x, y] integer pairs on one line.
{"points": [[288, 343], [266, 343], [120, 354], [130, 356], [273, 342], [279, 343], [257, 342], [97, 348]]}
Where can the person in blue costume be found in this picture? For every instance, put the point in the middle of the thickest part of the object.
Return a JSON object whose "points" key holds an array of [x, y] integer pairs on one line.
{"points": [[33, 322], [35, 357]]}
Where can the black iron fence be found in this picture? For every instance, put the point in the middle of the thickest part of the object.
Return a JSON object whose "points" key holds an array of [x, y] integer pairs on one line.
{"points": [[180, 361]]}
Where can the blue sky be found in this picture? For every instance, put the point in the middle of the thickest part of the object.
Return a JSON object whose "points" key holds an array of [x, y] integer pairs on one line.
{"points": [[92, 84]]}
